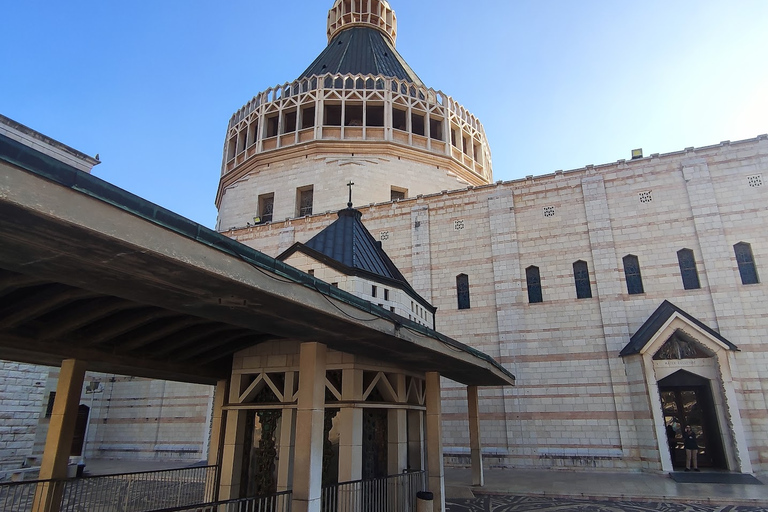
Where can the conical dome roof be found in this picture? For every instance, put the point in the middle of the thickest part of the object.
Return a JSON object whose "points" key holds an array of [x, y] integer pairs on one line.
{"points": [[361, 40]]}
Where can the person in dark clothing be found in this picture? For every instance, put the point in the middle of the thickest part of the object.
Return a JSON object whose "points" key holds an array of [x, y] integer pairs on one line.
{"points": [[691, 449], [671, 441]]}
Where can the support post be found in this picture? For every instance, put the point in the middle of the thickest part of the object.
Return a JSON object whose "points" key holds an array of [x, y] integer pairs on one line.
{"points": [[351, 427], [287, 437], [310, 416], [478, 477], [61, 430], [435, 441], [397, 430], [217, 436], [232, 452]]}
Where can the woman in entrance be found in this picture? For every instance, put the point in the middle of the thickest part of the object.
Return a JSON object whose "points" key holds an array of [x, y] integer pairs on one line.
{"points": [[691, 449]]}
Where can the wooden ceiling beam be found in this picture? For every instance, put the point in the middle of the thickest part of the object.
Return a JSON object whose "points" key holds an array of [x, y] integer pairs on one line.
{"points": [[170, 327], [87, 313], [189, 337], [38, 304], [125, 323]]}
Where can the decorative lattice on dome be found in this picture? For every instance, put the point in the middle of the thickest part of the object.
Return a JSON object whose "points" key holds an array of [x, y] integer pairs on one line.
{"points": [[368, 13]]}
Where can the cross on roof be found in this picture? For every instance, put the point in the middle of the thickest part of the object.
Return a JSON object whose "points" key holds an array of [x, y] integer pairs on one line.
{"points": [[349, 204]]}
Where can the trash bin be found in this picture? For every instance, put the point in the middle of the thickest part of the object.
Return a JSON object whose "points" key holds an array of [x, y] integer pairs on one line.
{"points": [[424, 501]]}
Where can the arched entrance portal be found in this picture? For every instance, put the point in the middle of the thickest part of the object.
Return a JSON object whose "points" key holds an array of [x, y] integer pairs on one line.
{"points": [[686, 399]]}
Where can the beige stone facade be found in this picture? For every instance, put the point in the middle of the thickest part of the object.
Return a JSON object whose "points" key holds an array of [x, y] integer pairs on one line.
{"points": [[577, 402]]}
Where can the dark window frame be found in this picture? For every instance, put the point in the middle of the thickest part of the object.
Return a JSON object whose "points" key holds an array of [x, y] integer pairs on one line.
{"points": [[581, 280], [533, 284], [462, 292], [746, 262], [632, 275], [688, 271]]}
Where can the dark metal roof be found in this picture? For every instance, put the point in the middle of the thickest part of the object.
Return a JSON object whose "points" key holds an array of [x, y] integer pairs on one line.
{"points": [[361, 50], [348, 243], [655, 322]]}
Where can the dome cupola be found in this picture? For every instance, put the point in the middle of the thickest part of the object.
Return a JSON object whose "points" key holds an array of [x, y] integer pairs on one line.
{"points": [[362, 13]]}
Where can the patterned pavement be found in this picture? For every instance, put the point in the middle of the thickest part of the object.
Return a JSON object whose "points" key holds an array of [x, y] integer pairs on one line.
{"points": [[540, 504]]}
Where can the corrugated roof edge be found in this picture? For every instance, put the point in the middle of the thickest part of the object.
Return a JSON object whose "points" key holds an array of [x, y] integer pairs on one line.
{"points": [[65, 175]]}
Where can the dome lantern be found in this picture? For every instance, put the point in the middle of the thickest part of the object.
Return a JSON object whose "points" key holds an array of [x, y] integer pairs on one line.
{"points": [[367, 13]]}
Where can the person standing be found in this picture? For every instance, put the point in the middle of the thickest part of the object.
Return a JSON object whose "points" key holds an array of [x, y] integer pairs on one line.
{"points": [[691, 449]]}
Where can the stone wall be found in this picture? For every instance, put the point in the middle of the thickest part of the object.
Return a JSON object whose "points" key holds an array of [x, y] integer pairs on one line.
{"points": [[577, 403]]}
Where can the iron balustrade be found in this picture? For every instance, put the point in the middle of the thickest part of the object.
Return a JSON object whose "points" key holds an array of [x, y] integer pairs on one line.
{"points": [[395, 493], [128, 492], [280, 502]]}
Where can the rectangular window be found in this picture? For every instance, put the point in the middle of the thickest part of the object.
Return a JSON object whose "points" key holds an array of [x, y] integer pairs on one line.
{"points": [[632, 275], [392, 309], [462, 291], [746, 261], [417, 123], [332, 115], [307, 118], [397, 194], [335, 285], [386, 294], [266, 208], [305, 200], [272, 123], [353, 115], [289, 122], [465, 141], [311, 272], [398, 119], [581, 277], [374, 115], [51, 400], [435, 129], [533, 281], [232, 148], [373, 291], [688, 269]]}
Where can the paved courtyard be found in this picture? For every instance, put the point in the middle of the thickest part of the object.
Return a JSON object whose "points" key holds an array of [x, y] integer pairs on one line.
{"points": [[541, 504]]}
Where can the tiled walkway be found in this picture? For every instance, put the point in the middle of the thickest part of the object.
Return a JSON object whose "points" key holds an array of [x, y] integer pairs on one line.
{"points": [[537, 504], [606, 486]]}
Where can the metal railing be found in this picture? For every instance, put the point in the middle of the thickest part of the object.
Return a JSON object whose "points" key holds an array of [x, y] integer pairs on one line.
{"points": [[280, 502], [128, 492], [391, 494]]}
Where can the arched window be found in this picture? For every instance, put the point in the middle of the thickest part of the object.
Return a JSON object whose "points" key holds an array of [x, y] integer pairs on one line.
{"points": [[462, 290], [746, 262], [632, 275], [533, 279], [688, 269], [581, 277]]}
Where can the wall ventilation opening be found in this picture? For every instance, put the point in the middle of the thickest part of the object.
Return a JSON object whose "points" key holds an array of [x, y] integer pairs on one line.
{"points": [[646, 196], [755, 181], [549, 211]]}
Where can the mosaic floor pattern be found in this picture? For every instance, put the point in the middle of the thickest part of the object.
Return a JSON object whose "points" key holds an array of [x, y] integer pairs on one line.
{"points": [[540, 504]]}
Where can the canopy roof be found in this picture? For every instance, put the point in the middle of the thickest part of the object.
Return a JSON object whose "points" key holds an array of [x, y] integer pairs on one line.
{"points": [[90, 271]]}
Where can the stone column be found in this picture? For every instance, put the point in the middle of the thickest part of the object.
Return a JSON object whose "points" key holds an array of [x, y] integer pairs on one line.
{"points": [[351, 427], [435, 441], [287, 437], [61, 430], [232, 450], [476, 448], [217, 434], [308, 459]]}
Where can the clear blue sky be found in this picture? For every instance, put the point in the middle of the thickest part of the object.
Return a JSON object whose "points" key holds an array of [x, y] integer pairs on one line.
{"points": [[150, 85]]}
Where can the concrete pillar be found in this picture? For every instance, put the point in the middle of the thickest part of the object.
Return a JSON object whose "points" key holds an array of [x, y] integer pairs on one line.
{"points": [[217, 434], [287, 438], [435, 441], [416, 448], [476, 448], [232, 451], [397, 431], [351, 428], [61, 430], [308, 460]]}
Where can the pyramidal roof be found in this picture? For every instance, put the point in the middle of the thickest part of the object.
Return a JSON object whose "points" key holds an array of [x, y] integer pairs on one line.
{"points": [[349, 244]]}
